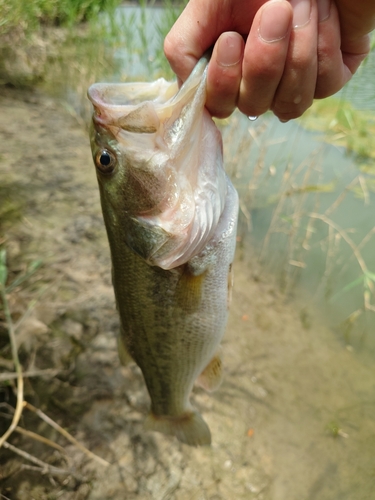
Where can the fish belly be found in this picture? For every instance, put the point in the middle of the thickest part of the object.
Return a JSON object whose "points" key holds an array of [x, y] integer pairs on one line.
{"points": [[172, 323]]}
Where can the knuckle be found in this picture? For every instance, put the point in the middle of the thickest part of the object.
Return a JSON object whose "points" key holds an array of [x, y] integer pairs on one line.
{"points": [[169, 48], [250, 109], [289, 110], [262, 68], [221, 111], [266, 72]]}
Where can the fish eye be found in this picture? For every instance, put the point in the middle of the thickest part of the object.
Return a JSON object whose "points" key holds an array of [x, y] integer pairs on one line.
{"points": [[105, 161]]}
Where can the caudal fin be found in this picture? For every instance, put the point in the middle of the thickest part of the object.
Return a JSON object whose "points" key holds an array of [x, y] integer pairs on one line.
{"points": [[189, 428]]}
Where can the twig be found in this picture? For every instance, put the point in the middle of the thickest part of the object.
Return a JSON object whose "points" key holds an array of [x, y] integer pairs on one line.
{"points": [[66, 434], [49, 372], [344, 235], [40, 438], [46, 468], [12, 338], [355, 250]]}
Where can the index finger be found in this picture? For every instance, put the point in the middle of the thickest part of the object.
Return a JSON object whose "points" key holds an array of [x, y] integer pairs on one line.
{"points": [[200, 25]]}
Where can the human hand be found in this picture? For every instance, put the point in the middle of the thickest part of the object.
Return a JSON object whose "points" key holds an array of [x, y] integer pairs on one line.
{"points": [[292, 52]]}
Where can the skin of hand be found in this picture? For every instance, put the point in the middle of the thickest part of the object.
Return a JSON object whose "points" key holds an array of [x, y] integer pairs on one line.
{"points": [[276, 55]]}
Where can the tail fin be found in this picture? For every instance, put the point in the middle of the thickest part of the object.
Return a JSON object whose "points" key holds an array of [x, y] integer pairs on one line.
{"points": [[189, 428]]}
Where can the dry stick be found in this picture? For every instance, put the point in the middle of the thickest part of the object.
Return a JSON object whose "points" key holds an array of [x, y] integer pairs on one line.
{"points": [[12, 337], [345, 237], [366, 238], [66, 434], [356, 252], [341, 197], [48, 372], [40, 438], [363, 185], [293, 246], [45, 467]]}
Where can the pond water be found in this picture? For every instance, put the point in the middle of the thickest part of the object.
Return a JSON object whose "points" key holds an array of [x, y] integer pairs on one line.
{"points": [[361, 90], [311, 218], [295, 419]]}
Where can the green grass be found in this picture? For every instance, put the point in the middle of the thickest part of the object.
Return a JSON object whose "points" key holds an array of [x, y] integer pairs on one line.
{"points": [[344, 125], [29, 15]]}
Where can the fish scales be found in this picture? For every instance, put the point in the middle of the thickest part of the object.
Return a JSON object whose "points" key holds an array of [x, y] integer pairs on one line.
{"points": [[171, 213]]}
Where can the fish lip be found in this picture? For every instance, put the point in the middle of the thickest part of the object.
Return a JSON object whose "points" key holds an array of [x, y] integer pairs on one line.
{"points": [[99, 120], [100, 116]]}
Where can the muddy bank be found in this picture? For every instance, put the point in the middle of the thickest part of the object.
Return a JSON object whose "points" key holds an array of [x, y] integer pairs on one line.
{"points": [[286, 422]]}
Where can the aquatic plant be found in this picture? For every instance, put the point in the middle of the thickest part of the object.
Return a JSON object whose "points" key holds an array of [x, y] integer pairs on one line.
{"points": [[343, 125], [298, 215]]}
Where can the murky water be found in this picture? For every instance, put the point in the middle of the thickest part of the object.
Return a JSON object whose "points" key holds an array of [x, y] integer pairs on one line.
{"points": [[308, 211], [361, 90]]}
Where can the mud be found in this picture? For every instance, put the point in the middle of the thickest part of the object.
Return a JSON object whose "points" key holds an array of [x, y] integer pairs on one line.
{"points": [[293, 409]]}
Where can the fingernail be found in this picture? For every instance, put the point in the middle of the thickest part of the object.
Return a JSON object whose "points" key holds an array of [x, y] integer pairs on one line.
{"points": [[229, 49], [275, 21], [324, 9], [301, 12]]}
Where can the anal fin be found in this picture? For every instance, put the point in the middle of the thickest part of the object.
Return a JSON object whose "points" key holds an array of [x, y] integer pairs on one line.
{"points": [[212, 376]]}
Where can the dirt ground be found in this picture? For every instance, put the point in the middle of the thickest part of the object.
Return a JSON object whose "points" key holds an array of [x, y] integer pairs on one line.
{"points": [[49, 211]]}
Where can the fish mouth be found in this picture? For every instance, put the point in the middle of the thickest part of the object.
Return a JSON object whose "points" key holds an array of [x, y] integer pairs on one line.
{"points": [[130, 105], [116, 105], [103, 108]]}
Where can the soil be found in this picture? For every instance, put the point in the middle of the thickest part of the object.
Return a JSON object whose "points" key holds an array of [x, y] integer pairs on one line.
{"points": [[270, 426]]}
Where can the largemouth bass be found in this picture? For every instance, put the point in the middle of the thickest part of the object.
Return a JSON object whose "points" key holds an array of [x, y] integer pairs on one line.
{"points": [[171, 214]]}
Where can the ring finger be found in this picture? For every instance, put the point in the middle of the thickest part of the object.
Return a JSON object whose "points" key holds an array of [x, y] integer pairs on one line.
{"points": [[296, 90]]}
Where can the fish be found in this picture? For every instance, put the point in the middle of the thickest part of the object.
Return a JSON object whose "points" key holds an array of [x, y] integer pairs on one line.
{"points": [[170, 213]]}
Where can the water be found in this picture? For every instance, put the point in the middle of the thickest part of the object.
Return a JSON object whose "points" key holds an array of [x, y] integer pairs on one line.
{"points": [[311, 218], [361, 91], [141, 53]]}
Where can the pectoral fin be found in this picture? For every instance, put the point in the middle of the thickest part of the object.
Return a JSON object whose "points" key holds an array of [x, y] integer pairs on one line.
{"points": [[212, 376]]}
